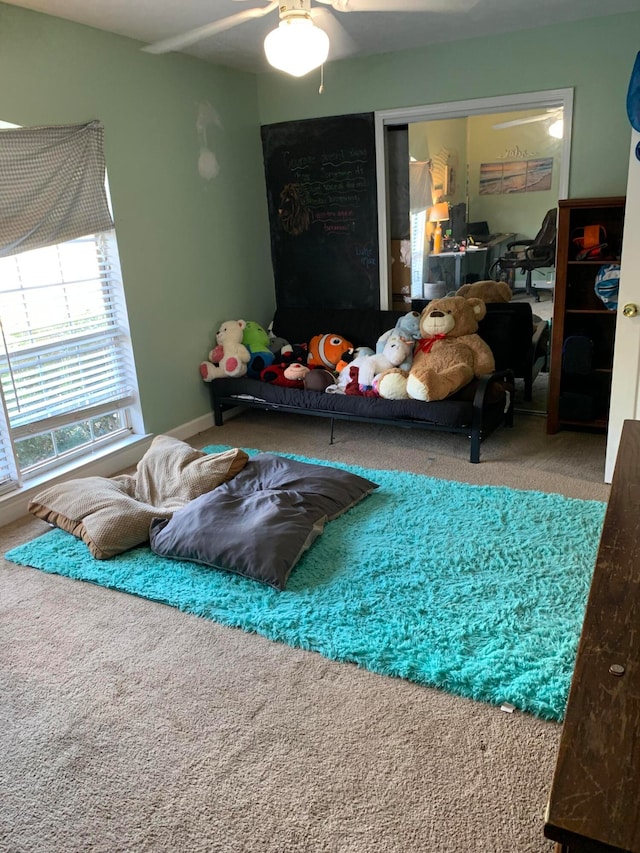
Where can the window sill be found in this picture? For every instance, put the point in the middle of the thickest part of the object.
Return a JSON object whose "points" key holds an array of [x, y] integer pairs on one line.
{"points": [[105, 462]]}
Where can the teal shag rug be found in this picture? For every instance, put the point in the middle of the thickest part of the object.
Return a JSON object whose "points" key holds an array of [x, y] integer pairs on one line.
{"points": [[476, 590]]}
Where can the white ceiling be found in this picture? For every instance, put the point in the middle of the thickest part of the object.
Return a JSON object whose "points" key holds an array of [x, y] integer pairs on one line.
{"points": [[362, 33]]}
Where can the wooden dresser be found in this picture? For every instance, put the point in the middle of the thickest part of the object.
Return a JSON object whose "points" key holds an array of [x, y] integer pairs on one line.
{"points": [[594, 804]]}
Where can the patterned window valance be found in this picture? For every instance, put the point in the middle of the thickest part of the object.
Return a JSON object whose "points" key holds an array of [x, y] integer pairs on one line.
{"points": [[52, 186]]}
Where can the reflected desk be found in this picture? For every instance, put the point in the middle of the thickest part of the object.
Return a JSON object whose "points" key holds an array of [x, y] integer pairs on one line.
{"points": [[439, 268], [496, 240], [495, 248]]}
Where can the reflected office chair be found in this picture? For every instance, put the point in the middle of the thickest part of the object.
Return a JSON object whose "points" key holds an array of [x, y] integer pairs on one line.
{"points": [[529, 255]]}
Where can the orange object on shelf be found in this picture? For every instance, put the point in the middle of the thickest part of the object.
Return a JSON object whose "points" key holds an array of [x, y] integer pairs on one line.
{"points": [[438, 213], [437, 240]]}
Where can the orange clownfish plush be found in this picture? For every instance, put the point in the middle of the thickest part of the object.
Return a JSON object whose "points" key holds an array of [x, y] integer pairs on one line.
{"points": [[326, 350]]}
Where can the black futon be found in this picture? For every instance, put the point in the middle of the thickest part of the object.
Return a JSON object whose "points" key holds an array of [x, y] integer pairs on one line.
{"points": [[474, 411]]}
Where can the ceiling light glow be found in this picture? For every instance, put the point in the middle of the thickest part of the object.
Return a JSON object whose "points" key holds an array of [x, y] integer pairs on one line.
{"points": [[297, 46], [557, 129]]}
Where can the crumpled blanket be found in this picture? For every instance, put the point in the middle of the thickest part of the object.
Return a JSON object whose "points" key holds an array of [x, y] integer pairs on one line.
{"points": [[112, 515]]}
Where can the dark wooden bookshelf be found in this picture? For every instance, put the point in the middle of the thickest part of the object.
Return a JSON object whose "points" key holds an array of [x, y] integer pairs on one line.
{"points": [[580, 400]]}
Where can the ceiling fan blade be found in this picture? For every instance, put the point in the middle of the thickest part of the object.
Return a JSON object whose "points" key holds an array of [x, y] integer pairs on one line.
{"points": [[341, 43], [516, 121], [212, 29], [400, 5]]}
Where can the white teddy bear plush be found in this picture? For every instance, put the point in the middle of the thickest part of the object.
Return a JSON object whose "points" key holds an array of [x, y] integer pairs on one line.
{"points": [[344, 377], [230, 357], [396, 350]]}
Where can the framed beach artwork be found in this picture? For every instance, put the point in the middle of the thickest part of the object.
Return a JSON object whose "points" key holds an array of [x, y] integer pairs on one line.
{"points": [[517, 176]]}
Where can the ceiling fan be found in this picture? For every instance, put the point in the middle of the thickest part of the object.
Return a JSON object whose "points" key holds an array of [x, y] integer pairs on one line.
{"points": [[553, 114], [301, 41]]}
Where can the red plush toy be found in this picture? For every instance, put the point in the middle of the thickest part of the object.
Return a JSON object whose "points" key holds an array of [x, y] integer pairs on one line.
{"points": [[287, 375]]}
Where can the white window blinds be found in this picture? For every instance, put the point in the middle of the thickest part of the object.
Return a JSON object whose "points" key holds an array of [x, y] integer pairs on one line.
{"points": [[63, 340]]}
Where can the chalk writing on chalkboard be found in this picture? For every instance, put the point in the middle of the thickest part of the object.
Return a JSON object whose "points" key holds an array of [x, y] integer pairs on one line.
{"points": [[321, 194]]}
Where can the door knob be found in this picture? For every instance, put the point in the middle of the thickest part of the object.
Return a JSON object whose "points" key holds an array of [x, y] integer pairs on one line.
{"points": [[630, 310]]}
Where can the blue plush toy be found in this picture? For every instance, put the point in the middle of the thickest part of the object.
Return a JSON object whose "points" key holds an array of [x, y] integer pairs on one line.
{"points": [[407, 326]]}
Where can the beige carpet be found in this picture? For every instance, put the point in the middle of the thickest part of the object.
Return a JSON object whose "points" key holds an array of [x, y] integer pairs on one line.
{"points": [[126, 725]]}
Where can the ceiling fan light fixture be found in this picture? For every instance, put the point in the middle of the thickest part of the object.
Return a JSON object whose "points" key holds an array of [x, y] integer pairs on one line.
{"points": [[297, 46]]}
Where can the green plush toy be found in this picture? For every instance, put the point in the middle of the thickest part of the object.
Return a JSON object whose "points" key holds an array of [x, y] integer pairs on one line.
{"points": [[255, 337], [256, 341]]}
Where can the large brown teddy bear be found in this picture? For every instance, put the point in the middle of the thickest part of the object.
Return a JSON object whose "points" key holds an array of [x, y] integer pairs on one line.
{"points": [[447, 357], [488, 291]]}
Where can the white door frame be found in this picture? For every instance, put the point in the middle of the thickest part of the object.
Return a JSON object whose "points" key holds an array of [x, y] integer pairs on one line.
{"points": [[458, 109], [625, 380]]}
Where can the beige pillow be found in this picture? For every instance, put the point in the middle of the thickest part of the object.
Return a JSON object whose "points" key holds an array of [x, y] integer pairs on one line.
{"points": [[172, 472], [113, 515]]}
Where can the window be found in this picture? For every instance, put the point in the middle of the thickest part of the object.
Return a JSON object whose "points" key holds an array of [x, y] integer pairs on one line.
{"points": [[67, 378]]}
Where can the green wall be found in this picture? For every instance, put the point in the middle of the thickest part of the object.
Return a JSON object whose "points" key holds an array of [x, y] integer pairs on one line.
{"points": [[194, 253], [594, 57], [520, 213]]}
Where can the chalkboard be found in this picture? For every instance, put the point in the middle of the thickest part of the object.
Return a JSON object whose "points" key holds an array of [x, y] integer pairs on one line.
{"points": [[321, 192]]}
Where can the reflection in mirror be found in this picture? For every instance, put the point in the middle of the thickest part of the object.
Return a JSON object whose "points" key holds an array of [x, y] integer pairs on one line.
{"points": [[499, 164], [498, 174]]}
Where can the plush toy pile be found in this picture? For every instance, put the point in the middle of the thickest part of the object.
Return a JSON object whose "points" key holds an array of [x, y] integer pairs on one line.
{"points": [[426, 356], [448, 355]]}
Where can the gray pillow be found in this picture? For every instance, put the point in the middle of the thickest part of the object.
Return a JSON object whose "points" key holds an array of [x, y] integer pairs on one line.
{"points": [[259, 524]]}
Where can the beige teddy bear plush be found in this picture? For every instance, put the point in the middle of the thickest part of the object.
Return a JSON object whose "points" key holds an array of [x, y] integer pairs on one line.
{"points": [[230, 356], [447, 357], [488, 291]]}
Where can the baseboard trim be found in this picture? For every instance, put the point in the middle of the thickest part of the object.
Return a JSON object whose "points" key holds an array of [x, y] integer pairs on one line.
{"points": [[191, 428]]}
